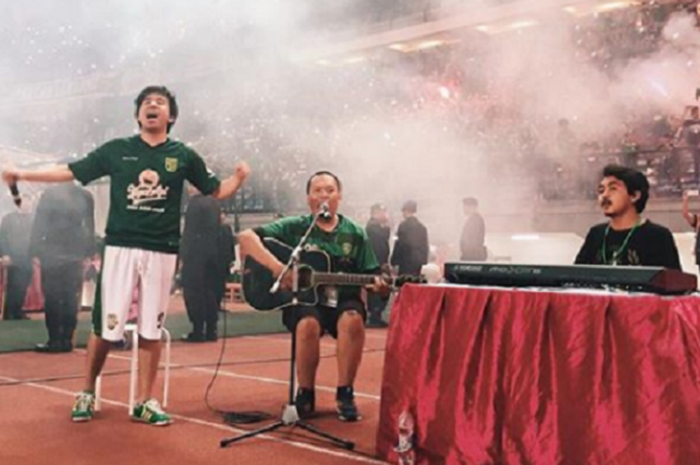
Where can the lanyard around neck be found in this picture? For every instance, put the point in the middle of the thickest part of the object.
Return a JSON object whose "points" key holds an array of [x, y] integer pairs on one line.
{"points": [[616, 254]]}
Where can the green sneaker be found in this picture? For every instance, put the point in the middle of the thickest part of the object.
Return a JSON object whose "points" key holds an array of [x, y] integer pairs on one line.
{"points": [[151, 412], [84, 407]]}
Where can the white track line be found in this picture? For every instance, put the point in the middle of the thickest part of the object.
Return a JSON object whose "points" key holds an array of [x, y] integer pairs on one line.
{"points": [[262, 379], [300, 445]]}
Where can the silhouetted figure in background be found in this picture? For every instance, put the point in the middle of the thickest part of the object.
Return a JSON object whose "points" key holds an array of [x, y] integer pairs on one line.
{"points": [[411, 247], [471, 244], [693, 220], [227, 255], [691, 137], [204, 265], [63, 236], [15, 231], [379, 233]]}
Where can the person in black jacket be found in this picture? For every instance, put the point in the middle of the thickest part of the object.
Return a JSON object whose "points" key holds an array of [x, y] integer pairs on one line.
{"points": [[379, 233], [411, 248], [63, 236], [471, 243], [227, 254], [15, 231], [206, 252]]}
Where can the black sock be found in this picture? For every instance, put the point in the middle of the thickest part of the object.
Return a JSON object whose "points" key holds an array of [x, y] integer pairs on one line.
{"points": [[344, 392]]}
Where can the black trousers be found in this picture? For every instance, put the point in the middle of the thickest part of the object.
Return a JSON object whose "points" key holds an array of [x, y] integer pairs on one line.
{"points": [[62, 284], [203, 286], [18, 278]]}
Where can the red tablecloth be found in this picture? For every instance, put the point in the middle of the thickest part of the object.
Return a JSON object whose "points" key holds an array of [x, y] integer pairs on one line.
{"points": [[497, 376]]}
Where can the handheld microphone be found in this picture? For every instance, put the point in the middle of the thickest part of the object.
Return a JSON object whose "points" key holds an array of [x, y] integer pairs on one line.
{"points": [[15, 194], [324, 211]]}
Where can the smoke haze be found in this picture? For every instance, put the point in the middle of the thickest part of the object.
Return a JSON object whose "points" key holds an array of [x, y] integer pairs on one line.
{"points": [[392, 125]]}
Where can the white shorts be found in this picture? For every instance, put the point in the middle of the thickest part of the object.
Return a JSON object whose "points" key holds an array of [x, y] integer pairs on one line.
{"points": [[125, 269]]}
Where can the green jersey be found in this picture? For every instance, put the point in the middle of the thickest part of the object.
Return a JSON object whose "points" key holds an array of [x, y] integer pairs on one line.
{"points": [[347, 245], [146, 189]]}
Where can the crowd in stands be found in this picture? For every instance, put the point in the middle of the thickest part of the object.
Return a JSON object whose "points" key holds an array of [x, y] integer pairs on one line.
{"points": [[284, 137]]}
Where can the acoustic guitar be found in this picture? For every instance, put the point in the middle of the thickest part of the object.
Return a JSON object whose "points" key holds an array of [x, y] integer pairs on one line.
{"points": [[314, 271]]}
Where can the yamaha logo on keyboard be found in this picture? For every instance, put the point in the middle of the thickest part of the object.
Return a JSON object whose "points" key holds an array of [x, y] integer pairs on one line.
{"points": [[514, 270], [465, 267]]}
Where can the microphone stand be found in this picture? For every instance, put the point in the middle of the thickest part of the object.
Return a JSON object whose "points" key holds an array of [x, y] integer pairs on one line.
{"points": [[290, 415]]}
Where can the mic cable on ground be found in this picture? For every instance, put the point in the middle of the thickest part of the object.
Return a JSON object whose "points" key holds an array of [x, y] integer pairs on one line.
{"points": [[231, 417]]}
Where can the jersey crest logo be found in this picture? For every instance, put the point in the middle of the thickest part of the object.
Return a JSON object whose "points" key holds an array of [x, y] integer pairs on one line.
{"points": [[347, 248], [147, 190], [171, 165]]}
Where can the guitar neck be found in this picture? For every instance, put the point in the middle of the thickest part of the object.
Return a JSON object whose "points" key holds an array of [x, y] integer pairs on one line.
{"points": [[342, 279]]}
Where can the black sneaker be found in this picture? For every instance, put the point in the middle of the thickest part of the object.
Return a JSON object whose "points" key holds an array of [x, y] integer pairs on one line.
{"points": [[345, 402], [305, 402], [192, 337], [51, 347]]}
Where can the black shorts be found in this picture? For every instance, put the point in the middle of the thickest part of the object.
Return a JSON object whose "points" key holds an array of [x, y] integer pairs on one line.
{"points": [[326, 316]]}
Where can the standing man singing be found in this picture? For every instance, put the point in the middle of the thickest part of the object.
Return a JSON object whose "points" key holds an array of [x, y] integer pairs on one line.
{"points": [[147, 173]]}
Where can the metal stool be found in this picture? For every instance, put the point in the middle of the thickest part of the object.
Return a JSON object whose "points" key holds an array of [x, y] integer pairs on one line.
{"points": [[133, 375]]}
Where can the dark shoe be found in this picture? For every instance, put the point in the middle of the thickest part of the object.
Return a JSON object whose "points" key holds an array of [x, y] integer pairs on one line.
{"points": [[51, 347], [372, 323], [345, 402], [192, 337], [20, 316], [305, 402], [211, 337], [66, 346]]}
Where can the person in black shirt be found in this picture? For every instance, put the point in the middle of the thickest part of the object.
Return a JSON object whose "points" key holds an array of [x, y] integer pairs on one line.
{"points": [[411, 247], [63, 236], [690, 132], [202, 256], [15, 230], [379, 233], [227, 255], [627, 239], [693, 220], [471, 243]]}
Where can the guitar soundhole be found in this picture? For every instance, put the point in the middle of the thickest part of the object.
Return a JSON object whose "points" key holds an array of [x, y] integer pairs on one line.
{"points": [[305, 277]]}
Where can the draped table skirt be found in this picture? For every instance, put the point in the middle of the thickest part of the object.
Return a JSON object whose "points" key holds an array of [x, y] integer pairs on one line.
{"points": [[513, 376]]}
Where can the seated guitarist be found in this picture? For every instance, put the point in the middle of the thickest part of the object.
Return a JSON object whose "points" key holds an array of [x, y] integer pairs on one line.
{"points": [[342, 311]]}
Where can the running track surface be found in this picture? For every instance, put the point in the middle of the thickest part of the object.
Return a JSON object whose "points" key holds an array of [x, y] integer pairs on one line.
{"points": [[37, 391]]}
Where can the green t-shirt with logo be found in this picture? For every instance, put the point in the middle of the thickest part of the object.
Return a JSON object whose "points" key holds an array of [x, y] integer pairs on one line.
{"points": [[146, 185], [347, 245]]}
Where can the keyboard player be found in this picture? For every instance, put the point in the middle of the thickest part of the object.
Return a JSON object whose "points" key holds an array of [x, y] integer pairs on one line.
{"points": [[627, 238]]}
